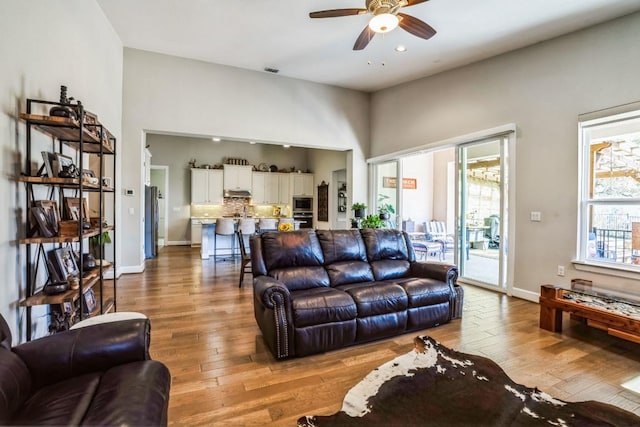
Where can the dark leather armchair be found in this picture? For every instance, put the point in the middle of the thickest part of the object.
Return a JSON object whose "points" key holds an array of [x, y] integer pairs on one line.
{"points": [[97, 375]]}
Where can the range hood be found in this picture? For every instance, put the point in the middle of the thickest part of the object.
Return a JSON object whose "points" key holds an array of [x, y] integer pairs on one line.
{"points": [[237, 194]]}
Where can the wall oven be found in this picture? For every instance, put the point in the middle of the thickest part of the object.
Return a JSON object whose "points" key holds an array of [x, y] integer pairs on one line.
{"points": [[305, 219], [303, 211], [302, 204]]}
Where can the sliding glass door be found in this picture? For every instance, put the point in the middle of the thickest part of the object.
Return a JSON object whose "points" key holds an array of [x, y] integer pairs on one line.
{"points": [[482, 208]]}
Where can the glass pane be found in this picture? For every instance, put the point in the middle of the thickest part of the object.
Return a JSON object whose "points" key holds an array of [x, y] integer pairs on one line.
{"points": [[614, 154], [480, 204], [614, 233]]}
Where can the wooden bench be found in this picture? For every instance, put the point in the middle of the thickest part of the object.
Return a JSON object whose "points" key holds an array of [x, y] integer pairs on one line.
{"points": [[553, 303]]}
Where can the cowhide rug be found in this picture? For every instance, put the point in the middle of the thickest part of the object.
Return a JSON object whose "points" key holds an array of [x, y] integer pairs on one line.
{"points": [[435, 386]]}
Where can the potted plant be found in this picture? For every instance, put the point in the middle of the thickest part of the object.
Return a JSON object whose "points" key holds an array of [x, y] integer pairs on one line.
{"points": [[96, 242], [371, 221], [358, 209], [384, 209]]}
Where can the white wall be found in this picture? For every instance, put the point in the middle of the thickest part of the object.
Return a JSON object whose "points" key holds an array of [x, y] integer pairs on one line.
{"points": [[173, 95], [417, 204], [45, 44], [323, 163], [542, 89]]}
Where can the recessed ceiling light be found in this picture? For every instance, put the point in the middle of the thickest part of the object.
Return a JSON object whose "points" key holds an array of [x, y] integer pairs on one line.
{"points": [[215, 139], [252, 142], [286, 146], [401, 48]]}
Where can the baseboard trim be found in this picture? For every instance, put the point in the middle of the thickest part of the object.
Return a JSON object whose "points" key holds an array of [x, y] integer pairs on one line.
{"points": [[178, 242], [525, 294], [131, 269]]}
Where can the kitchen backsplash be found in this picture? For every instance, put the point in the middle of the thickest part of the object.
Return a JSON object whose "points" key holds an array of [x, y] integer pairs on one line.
{"points": [[231, 207]]}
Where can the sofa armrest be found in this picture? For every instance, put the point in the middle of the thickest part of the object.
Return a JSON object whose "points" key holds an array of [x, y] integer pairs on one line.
{"points": [[270, 291], [444, 272], [93, 348], [273, 312]]}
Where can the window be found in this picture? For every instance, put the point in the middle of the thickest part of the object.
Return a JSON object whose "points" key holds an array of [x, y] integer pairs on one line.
{"points": [[610, 194]]}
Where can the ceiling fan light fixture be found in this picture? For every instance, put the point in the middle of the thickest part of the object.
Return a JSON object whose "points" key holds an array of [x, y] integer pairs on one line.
{"points": [[383, 22]]}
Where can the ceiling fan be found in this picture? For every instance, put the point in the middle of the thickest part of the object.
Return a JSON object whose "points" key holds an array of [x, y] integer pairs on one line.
{"points": [[386, 17]]}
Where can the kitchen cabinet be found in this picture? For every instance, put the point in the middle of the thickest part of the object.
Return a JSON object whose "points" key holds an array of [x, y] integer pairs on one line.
{"points": [[237, 177], [206, 186], [270, 188], [301, 184], [196, 232]]}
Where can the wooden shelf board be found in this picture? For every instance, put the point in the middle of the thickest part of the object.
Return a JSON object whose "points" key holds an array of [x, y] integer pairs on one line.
{"points": [[69, 131], [65, 183], [70, 295], [65, 239]]}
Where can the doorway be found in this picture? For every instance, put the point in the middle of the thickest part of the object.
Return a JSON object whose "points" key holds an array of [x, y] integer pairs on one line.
{"points": [[160, 178], [482, 208]]}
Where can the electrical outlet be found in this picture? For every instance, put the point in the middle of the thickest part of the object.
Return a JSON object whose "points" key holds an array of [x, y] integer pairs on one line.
{"points": [[561, 270]]}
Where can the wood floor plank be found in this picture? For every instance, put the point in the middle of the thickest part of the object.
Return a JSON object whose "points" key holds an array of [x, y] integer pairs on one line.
{"points": [[202, 327]]}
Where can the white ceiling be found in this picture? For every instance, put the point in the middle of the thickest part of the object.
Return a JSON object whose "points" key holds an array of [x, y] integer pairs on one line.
{"points": [[255, 34]]}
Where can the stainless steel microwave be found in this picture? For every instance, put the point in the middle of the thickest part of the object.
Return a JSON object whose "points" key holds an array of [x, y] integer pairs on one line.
{"points": [[302, 204]]}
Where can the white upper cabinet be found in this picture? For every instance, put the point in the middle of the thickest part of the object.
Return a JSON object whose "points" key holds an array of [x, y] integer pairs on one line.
{"points": [[301, 184], [270, 188], [206, 186], [237, 177]]}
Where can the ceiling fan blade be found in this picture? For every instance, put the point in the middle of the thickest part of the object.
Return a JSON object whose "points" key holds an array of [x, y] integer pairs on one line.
{"points": [[416, 27], [332, 13], [414, 2], [364, 38]]}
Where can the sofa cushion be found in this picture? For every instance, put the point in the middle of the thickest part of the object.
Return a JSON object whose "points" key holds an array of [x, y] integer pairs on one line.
{"points": [[62, 403], [133, 394], [373, 298], [15, 384], [342, 245], [321, 305], [385, 244], [291, 249], [423, 291], [390, 269], [345, 272], [297, 278]]}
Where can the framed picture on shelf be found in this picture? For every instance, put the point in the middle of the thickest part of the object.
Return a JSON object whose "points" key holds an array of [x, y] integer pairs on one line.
{"points": [[76, 208], [50, 208], [65, 163], [89, 301], [91, 120], [64, 262], [50, 164], [41, 223]]}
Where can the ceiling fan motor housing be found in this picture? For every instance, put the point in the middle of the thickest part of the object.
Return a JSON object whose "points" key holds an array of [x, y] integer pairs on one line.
{"points": [[377, 7]]}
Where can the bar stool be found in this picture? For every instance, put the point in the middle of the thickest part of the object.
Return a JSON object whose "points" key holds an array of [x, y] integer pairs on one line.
{"points": [[246, 226], [267, 224], [224, 227]]}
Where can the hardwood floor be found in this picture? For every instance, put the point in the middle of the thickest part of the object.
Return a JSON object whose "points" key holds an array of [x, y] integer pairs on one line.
{"points": [[203, 329]]}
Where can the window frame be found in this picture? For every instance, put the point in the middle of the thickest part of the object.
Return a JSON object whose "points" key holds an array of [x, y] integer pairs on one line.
{"points": [[586, 123]]}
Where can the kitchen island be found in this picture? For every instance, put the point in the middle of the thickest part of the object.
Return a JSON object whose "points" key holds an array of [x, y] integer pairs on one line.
{"points": [[225, 244]]}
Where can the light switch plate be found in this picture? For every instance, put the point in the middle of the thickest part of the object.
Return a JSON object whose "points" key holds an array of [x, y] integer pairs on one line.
{"points": [[536, 216]]}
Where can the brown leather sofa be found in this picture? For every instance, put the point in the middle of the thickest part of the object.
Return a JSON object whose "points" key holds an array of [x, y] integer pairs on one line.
{"points": [[325, 289], [96, 375]]}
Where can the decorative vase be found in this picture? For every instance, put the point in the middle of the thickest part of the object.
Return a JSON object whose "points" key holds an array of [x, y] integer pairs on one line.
{"points": [[384, 216], [358, 213]]}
